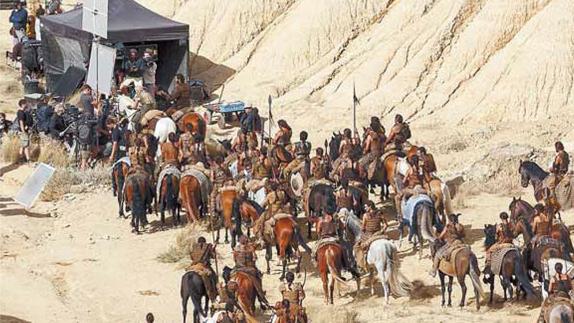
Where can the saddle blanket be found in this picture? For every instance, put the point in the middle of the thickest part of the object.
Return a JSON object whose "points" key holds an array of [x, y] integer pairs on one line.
{"points": [[324, 242], [204, 182], [125, 160], [408, 206], [168, 170], [497, 257], [258, 196], [366, 244]]}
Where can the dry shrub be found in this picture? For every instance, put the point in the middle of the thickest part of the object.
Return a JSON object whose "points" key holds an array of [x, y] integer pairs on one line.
{"points": [[10, 149], [420, 291], [53, 153], [181, 247], [341, 315], [69, 178]]}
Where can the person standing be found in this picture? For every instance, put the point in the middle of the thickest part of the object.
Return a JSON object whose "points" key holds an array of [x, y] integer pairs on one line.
{"points": [[149, 73], [25, 122], [133, 67], [19, 20], [182, 93]]}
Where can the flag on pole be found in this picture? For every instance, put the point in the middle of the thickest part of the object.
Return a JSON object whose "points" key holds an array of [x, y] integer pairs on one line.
{"points": [[355, 98]]}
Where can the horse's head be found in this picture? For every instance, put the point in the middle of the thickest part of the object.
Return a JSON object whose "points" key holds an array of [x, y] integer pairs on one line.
{"points": [[512, 208], [524, 174], [489, 235], [226, 274], [334, 145]]}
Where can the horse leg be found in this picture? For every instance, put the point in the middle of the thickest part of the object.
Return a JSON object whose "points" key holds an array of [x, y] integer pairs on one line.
{"points": [[226, 236], [268, 256], [299, 257], [325, 279], [284, 265], [504, 287], [309, 227], [332, 289], [450, 278], [463, 288], [372, 281], [442, 287], [491, 283], [184, 307]]}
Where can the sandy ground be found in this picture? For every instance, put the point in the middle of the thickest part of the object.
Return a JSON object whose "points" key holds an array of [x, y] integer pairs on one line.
{"points": [[75, 261]]}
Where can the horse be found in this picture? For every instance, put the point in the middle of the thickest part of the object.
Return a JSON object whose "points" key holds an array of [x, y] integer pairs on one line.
{"points": [[280, 157], [246, 294], [361, 197], [330, 261], [320, 197], [244, 211], [192, 286], [512, 270], [462, 263], [286, 244], [560, 313], [190, 198], [139, 196], [197, 122], [119, 174], [163, 127], [421, 226], [227, 199], [382, 256], [520, 209], [168, 198], [334, 145]]}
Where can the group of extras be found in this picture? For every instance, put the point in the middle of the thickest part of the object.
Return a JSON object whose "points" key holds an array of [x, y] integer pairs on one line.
{"points": [[260, 165]]}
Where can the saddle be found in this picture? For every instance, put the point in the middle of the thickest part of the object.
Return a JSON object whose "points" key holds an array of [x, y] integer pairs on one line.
{"points": [[325, 242], [447, 264], [366, 244]]}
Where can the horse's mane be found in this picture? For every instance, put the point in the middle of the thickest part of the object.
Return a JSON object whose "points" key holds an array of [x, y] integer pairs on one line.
{"points": [[489, 235], [527, 226], [354, 225], [255, 205], [533, 168]]}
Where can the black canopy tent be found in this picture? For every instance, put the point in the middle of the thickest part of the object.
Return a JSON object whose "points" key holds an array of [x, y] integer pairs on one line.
{"points": [[65, 44]]}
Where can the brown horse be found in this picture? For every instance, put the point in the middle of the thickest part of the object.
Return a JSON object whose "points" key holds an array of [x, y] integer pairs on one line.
{"points": [[244, 211], [168, 198], [280, 157], [227, 198], [284, 231], [246, 295], [190, 198], [138, 196], [198, 123], [119, 174], [462, 263], [512, 270], [330, 261]]}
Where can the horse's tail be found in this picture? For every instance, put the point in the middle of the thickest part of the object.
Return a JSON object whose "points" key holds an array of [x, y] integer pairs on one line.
{"points": [[400, 285], [425, 223], [331, 264], [447, 200], [520, 272], [236, 215], [138, 201], [475, 277], [171, 192], [246, 311]]}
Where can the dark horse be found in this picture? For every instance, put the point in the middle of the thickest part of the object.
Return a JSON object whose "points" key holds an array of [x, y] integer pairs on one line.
{"points": [[246, 212], [169, 198], [512, 270], [119, 174], [321, 197], [520, 209], [139, 196], [192, 287], [531, 173]]}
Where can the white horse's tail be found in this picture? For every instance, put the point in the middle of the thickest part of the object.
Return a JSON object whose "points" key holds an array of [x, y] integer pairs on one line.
{"points": [[447, 201], [475, 276], [400, 285], [425, 225]]}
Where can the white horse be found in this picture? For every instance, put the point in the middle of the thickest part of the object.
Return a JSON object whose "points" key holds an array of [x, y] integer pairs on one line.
{"points": [[163, 128], [382, 256]]}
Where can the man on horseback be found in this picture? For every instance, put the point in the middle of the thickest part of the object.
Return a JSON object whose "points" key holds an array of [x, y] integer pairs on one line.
{"points": [[371, 230], [301, 150], [190, 152], [412, 184], [262, 171], [283, 136], [541, 224], [170, 151], [294, 293], [559, 166], [453, 234], [399, 134], [504, 238], [344, 198], [137, 154], [372, 148], [345, 149], [559, 291], [201, 255], [318, 168], [426, 164], [245, 257], [219, 176]]}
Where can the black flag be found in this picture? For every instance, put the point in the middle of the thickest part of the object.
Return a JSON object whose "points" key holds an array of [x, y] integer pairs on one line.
{"points": [[355, 98]]}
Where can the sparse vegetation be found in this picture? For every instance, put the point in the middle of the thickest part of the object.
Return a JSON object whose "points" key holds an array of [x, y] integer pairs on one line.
{"points": [[53, 153], [10, 149], [179, 250], [341, 315], [66, 179]]}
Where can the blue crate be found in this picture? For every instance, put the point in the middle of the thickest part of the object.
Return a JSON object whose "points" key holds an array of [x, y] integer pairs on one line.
{"points": [[236, 106]]}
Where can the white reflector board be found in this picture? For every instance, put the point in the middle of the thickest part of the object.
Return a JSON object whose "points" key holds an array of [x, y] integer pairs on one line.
{"points": [[34, 185], [95, 17], [105, 66]]}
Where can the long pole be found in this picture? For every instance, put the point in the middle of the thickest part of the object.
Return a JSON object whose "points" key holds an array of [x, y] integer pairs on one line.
{"points": [[270, 101], [354, 110]]}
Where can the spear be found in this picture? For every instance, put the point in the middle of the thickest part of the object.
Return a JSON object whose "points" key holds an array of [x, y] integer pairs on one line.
{"points": [[270, 102]]}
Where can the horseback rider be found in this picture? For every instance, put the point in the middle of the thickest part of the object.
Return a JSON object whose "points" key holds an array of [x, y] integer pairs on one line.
{"points": [[345, 149], [170, 151], [283, 136], [327, 232], [318, 168], [559, 166], [453, 234], [219, 176], [137, 155], [245, 257], [262, 171], [190, 151], [294, 293], [201, 255], [301, 150], [371, 229], [426, 164], [504, 237], [372, 147], [412, 184], [560, 282], [344, 198], [541, 224], [399, 133]]}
